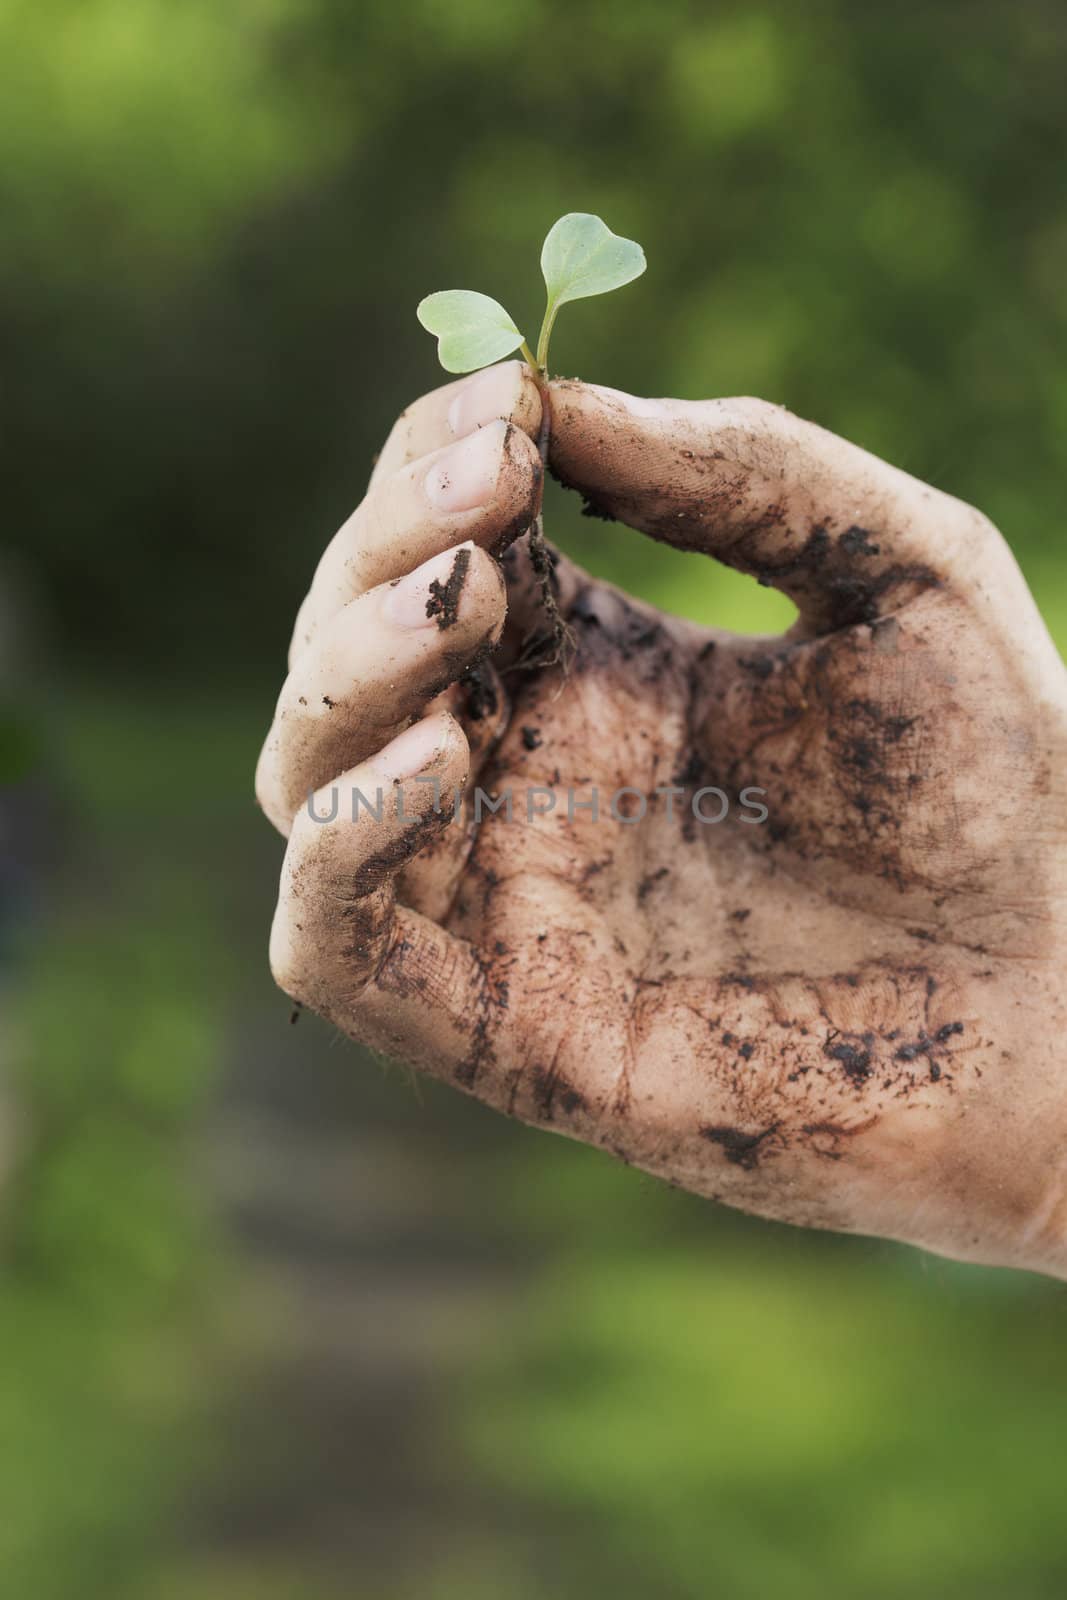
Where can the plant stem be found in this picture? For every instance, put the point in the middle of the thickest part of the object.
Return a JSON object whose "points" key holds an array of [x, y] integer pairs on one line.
{"points": [[543, 337], [529, 357], [540, 555]]}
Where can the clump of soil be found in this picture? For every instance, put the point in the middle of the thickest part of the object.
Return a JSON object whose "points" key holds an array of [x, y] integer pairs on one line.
{"points": [[444, 597]]}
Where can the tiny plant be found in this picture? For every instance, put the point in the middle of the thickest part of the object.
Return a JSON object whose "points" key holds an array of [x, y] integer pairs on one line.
{"points": [[580, 257]]}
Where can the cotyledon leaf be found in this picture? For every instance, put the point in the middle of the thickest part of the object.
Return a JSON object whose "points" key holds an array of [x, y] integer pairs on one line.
{"points": [[472, 329], [581, 257]]}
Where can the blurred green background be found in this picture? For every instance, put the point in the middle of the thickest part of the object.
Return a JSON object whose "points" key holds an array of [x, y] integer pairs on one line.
{"points": [[276, 1322]]}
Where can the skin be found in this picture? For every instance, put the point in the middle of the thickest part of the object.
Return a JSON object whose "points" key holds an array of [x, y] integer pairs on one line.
{"points": [[846, 1016]]}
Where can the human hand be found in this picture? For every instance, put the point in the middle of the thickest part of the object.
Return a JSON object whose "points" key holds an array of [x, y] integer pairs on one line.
{"points": [[847, 1015]]}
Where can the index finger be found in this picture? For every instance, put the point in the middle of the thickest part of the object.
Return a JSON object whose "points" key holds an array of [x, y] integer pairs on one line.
{"points": [[505, 391]]}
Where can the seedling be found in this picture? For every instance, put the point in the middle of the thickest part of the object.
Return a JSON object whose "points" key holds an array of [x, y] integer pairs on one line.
{"points": [[580, 257]]}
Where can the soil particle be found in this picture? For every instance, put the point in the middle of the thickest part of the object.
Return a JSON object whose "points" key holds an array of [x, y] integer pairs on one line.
{"points": [[479, 686], [932, 1047], [648, 883], [895, 728], [531, 738], [857, 542], [740, 1149], [592, 508], [690, 775], [855, 1058], [582, 611], [859, 753], [550, 1088], [444, 597]]}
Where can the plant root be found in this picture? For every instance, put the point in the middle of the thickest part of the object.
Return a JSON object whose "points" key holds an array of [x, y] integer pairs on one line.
{"points": [[556, 645]]}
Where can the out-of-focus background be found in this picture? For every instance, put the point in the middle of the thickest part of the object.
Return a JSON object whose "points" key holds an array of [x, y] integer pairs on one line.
{"points": [[276, 1321]]}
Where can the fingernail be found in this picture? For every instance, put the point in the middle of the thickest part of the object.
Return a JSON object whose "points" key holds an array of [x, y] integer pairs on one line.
{"points": [[465, 476], [635, 404], [491, 394], [413, 750], [424, 597]]}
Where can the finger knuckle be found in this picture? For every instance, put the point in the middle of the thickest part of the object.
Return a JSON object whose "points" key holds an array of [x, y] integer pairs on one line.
{"points": [[981, 531], [264, 785], [269, 796], [752, 408], [287, 967]]}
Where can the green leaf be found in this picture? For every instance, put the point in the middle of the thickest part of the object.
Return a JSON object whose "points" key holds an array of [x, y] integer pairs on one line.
{"points": [[472, 329], [581, 257]]}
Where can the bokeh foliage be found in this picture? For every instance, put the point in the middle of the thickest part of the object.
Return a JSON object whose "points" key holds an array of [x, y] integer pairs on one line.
{"points": [[217, 221]]}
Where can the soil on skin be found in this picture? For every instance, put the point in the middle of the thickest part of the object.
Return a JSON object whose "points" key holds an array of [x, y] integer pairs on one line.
{"points": [[444, 597]]}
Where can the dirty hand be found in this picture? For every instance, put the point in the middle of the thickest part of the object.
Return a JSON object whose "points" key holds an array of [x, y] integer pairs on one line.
{"points": [[847, 1014]]}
